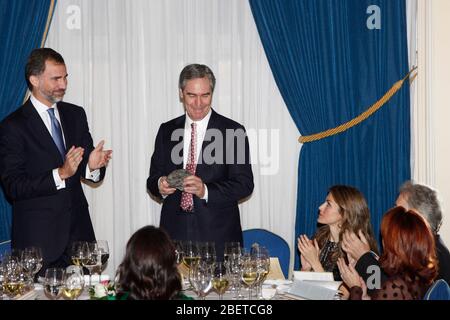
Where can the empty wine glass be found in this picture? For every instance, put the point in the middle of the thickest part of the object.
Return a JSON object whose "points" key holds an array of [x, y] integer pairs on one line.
{"points": [[179, 251], [73, 282], [54, 283], [31, 262], [208, 253], [231, 248], [201, 278]]}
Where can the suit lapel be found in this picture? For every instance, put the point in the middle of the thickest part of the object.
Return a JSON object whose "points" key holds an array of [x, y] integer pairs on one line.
{"points": [[39, 130], [178, 125]]}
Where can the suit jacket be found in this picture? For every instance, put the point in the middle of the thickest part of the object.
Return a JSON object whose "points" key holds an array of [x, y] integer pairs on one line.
{"points": [[228, 182], [43, 216], [443, 256]]}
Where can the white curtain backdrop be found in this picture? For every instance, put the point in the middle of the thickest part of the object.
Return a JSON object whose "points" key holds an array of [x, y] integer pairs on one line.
{"points": [[124, 59]]}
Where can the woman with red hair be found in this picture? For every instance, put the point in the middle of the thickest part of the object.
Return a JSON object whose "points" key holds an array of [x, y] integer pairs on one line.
{"points": [[407, 266]]}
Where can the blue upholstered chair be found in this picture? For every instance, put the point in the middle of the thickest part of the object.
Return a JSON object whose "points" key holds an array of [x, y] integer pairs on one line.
{"points": [[439, 290], [276, 245], [5, 247]]}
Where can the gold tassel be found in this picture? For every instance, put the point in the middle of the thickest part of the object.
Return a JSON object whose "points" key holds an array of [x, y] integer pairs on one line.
{"points": [[363, 116]]}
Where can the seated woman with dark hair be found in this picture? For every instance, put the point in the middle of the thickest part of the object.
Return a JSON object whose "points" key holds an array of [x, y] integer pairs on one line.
{"points": [[149, 269], [407, 267], [344, 210]]}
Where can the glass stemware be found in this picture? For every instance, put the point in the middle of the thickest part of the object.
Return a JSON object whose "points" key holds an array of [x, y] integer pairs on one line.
{"points": [[179, 251], [31, 262], [230, 249], [12, 276], [77, 252], [249, 273], [260, 256], [73, 282], [54, 283], [191, 258], [220, 280], [191, 254], [208, 253], [201, 278], [90, 258], [103, 251]]}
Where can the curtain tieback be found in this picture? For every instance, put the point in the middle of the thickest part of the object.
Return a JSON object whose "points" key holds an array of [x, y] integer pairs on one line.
{"points": [[363, 116]]}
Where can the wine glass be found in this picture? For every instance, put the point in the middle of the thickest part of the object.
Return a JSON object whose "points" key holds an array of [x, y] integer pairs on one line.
{"points": [[90, 258], [179, 251], [12, 276], [191, 257], [220, 280], [77, 252], [103, 251], [191, 254], [208, 253], [201, 278], [31, 262], [249, 273], [231, 248], [261, 258], [73, 282], [54, 283]]}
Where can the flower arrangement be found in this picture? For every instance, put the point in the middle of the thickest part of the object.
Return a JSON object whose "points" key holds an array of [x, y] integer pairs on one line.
{"points": [[105, 290]]}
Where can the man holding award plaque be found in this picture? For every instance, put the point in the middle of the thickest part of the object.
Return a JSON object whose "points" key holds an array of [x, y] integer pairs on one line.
{"points": [[200, 168]]}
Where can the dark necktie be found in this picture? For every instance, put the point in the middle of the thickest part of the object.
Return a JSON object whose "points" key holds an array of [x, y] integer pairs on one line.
{"points": [[57, 133], [187, 200]]}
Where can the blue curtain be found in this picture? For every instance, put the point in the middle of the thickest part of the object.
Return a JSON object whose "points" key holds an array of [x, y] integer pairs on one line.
{"points": [[329, 67], [22, 28]]}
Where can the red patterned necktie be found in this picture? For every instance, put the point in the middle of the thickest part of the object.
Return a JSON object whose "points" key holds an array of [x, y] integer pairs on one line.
{"points": [[187, 200]]}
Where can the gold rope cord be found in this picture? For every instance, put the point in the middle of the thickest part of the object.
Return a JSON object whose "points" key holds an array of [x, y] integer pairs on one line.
{"points": [[363, 116], [49, 20]]}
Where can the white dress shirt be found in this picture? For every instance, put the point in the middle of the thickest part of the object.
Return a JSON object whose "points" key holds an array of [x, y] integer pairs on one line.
{"points": [[202, 125], [42, 111]]}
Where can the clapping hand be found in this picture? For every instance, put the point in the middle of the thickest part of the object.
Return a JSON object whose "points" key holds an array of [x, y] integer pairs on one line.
{"points": [[73, 159], [309, 250], [348, 274], [99, 158], [355, 246]]}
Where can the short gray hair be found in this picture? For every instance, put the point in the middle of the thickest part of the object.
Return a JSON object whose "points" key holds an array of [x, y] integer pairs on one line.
{"points": [[196, 71], [425, 200]]}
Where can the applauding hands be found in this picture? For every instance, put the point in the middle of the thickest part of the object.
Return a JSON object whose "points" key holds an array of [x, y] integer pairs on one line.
{"points": [[99, 158], [309, 250]]}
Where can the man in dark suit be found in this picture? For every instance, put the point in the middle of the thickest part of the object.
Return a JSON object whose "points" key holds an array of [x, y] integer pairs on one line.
{"points": [[425, 200], [45, 149], [215, 151]]}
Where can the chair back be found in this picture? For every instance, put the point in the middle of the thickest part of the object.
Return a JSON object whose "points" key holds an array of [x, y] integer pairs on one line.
{"points": [[276, 245], [5, 247], [439, 290]]}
